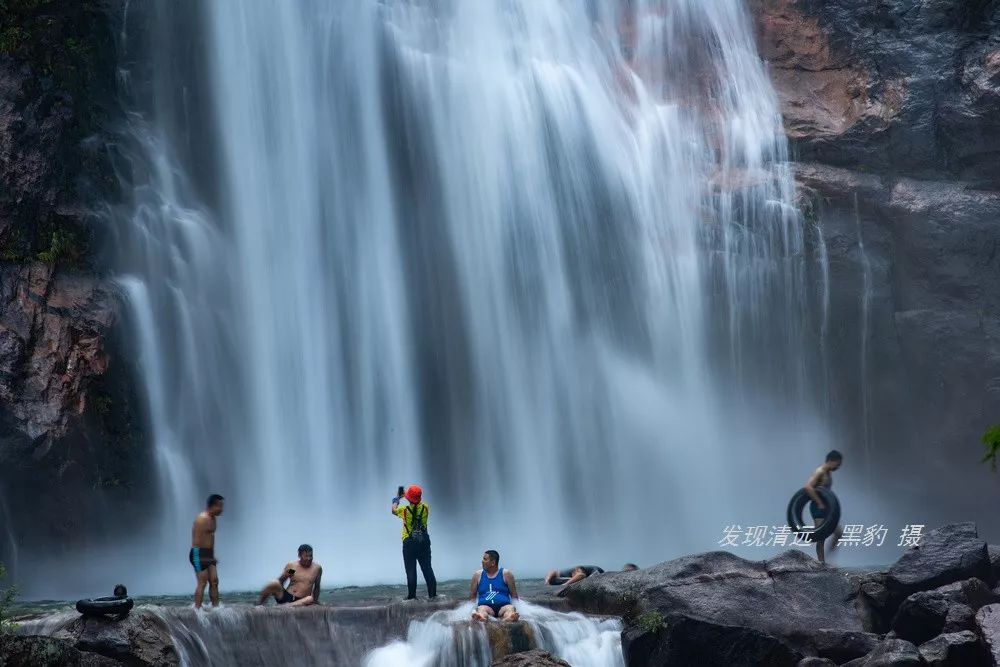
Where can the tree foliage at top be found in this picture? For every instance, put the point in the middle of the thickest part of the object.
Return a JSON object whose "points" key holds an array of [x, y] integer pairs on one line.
{"points": [[991, 439]]}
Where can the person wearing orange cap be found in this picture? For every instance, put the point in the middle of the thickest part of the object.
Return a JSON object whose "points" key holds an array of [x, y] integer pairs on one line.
{"points": [[416, 541]]}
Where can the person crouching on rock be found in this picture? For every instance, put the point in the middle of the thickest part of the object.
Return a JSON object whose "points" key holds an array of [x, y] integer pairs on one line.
{"points": [[493, 590], [416, 540], [822, 477], [202, 554], [571, 575], [304, 577]]}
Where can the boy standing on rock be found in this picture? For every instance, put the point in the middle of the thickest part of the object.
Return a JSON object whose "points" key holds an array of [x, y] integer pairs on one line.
{"points": [[823, 478]]}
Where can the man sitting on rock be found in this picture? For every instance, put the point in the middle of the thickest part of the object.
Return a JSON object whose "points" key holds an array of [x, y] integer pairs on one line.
{"points": [[571, 575], [303, 576], [494, 590]]}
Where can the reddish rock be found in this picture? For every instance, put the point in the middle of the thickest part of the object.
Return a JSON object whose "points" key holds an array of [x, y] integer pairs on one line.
{"points": [[531, 659], [822, 92], [52, 329]]}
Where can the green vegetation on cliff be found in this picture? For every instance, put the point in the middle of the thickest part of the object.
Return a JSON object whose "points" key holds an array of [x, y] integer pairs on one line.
{"points": [[67, 42], [991, 439], [7, 596], [60, 57]]}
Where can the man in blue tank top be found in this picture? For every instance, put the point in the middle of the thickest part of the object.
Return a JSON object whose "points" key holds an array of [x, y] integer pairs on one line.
{"points": [[493, 590]]}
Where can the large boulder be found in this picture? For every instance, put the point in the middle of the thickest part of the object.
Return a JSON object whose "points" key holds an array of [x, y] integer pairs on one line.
{"points": [[38, 651], [717, 608], [510, 638], [994, 552], [955, 649], [988, 622], [973, 592], [960, 617], [686, 641], [786, 597], [531, 659], [920, 617], [946, 555], [872, 599], [893, 653], [141, 639], [841, 646]]}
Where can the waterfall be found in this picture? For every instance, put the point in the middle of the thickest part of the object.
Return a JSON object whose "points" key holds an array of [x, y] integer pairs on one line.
{"points": [[865, 308], [540, 256]]}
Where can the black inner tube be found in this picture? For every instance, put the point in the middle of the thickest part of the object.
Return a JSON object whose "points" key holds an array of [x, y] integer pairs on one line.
{"points": [[798, 503], [105, 606]]}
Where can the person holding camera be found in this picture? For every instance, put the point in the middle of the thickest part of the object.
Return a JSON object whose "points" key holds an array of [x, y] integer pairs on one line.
{"points": [[416, 541], [303, 578]]}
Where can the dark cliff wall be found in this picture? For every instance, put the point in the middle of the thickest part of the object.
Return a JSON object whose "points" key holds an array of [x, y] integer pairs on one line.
{"points": [[69, 436], [891, 109]]}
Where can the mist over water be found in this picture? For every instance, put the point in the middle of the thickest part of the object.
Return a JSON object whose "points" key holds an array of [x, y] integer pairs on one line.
{"points": [[540, 257]]}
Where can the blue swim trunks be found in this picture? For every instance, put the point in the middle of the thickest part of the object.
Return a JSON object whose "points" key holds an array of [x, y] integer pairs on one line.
{"points": [[201, 559]]}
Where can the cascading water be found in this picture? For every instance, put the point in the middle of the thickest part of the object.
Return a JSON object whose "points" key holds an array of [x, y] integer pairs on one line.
{"points": [[447, 639], [540, 256], [865, 307], [370, 636]]}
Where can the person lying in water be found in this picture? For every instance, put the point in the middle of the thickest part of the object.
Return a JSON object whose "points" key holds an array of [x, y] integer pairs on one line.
{"points": [[303, 576], [493, 590], [571, 575]]}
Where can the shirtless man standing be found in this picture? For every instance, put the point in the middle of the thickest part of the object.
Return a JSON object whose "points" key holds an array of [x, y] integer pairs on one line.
{"points": [[202, 555], [303, 589], [822, 477]]}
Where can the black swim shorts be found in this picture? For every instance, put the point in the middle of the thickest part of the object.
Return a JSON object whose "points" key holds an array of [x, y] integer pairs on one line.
{"points": [[287, 597]]}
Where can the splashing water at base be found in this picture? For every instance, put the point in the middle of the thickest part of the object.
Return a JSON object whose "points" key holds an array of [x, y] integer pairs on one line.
{"points": [[448, 639]]}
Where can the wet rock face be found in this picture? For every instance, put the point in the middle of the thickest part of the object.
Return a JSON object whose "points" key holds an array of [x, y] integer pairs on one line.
{"points": [[68, 420], [897, 86], [958, 648], [52, 328], [531, 659], [890, 110], [988, 624], [48, 652], [945, 556], [822, 94], [141, 639]]}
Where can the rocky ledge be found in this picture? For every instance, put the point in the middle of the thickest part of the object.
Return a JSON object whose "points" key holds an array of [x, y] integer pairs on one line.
{"points": [[142, 639], [935, 606], [939, 605], [247, 635]]}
